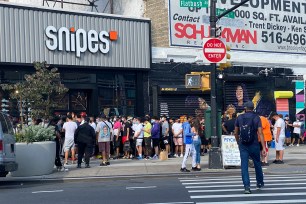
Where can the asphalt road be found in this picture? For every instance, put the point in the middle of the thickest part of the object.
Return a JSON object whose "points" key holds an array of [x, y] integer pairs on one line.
{"points": [[167, 190]]}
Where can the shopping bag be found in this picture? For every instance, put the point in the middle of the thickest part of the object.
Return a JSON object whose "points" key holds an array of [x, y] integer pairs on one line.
{"points": [[163, 155]]}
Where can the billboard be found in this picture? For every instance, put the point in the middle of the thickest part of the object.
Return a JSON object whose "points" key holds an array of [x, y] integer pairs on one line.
{"points": [[260, 25]]}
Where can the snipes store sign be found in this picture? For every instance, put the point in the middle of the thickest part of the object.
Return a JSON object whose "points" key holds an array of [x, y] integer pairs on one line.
{"points": [[79, 41]]}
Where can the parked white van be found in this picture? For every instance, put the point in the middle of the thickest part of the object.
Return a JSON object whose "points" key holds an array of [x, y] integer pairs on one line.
{"points": [[7, 146]]}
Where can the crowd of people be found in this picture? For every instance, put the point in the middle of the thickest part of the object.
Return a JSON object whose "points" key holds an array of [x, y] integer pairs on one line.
{"points": [[79, 138]]}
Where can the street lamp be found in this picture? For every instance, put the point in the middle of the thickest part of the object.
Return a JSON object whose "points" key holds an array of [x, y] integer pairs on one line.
{"points": [[20, 107]]}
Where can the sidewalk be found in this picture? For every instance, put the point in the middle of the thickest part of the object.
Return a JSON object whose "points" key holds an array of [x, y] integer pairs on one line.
{"points": [[295, 162]]}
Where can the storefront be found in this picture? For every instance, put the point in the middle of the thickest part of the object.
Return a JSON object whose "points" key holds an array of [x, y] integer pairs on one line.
{"points": [[103, 59]]}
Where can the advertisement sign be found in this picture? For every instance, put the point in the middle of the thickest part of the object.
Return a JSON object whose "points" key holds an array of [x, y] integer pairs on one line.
{"points": [[230, 151], [265, 26]]}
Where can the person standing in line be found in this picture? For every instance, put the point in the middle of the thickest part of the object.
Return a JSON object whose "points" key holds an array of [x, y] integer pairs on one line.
{"points": [[229, 125], [266, 130], [172, 147], [93, 123], [57, 162], [177, 131], [165, 133], [69, 145], [288, 130], [155, 133], [138, 136], [147, 138], [117, 135], [126, 135], [296, 132], [247, 129], [279, 136], [104, 133], [196, 141], [85, 138]]}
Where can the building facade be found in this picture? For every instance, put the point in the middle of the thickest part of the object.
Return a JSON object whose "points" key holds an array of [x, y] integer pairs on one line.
{"points": [[104, 60]]}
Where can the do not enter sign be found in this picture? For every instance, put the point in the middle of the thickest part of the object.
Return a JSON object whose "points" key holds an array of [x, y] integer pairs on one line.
{"points": [[214, 50]]}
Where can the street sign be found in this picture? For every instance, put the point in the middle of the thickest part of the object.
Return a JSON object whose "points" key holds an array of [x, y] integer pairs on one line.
{"points": [[194, 3], [229, 15], [214, 50], [193, 81]]}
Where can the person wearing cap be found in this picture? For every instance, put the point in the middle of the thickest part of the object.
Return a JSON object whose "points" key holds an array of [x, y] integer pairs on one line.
{"points": [[85, 138], [249, 147], [279, 136]]}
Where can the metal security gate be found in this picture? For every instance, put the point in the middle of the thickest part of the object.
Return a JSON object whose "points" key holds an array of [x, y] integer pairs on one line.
{"points": [[186, 104]]}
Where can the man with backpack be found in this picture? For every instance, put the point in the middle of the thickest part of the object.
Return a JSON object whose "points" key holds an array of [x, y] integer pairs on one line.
{"points": [[247, 129]]}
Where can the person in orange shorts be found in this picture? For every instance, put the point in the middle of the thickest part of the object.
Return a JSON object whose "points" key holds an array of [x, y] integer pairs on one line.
{"points": [[266, 130]]}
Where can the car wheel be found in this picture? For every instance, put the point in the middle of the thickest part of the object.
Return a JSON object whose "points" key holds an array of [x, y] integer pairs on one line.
{"points": [[3, 174]]}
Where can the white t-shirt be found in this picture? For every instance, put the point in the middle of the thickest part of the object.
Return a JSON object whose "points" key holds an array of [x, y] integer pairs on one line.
{"points": [[93, 125], [297, 130], [177, 127], [138, 128], [70, 128], [279, 123]]}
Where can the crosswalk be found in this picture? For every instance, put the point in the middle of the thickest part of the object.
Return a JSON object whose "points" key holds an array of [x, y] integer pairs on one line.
{"points": [[229, 189]]}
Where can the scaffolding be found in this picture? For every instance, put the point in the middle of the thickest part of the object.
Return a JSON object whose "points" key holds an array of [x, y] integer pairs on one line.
{"points": [[91, 3]]}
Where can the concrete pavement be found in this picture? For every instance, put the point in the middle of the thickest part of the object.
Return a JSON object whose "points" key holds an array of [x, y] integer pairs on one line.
{"points": [[295, 162]]}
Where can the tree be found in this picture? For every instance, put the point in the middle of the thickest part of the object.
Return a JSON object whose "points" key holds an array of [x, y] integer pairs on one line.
{"points": [[39, 89]]}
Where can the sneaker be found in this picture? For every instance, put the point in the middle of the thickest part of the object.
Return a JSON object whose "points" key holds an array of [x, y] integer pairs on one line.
{"points": [[87, 166], [298, 145], [291, 145], [259, 186], [139, 158], [103, 164], [275, 161], [175, 155], [279, 162], [107, 163], [79, 166], [155, 157], [181, 156], [247, 191], [184, 170]]}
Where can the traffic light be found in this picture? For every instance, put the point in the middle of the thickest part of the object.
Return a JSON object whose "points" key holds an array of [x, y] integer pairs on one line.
{"points": [[205, 81], [227, 64]]}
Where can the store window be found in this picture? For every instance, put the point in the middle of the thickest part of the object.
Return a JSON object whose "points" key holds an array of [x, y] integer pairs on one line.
{"points": [[117, 93]]}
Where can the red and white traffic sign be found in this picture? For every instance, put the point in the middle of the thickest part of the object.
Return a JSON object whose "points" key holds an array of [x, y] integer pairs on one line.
{"points": [[214, 50]]}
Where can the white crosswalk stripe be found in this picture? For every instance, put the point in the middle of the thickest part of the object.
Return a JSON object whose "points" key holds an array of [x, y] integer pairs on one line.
{"points": [[229, 189]]}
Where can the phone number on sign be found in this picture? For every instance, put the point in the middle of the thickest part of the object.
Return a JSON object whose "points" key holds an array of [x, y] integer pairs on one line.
{"points": [[279, 38]]}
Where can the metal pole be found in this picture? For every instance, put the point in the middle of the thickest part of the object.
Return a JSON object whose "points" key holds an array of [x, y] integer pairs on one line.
{"points": [[215, 153]]}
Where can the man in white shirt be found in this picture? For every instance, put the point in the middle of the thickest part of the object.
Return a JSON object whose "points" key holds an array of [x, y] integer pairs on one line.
{"points": [[69, 127], [279, 136], [177, 130], [296, 132], [138, 136]]}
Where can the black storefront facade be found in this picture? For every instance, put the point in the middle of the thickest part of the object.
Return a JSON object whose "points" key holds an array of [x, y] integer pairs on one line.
{"points": [[170, 96], [104, 60]]}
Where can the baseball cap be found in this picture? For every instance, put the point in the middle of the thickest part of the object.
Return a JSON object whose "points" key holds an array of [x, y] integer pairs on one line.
{"points": [[249, 104]]}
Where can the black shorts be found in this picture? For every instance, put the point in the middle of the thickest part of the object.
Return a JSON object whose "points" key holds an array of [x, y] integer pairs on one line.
{"points": [[118, 142], [204, 141], [296, 136], [155, 142], [165, 140]]}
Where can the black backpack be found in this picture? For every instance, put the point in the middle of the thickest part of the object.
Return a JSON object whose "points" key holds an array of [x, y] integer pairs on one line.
{"points": [[247, 130]]}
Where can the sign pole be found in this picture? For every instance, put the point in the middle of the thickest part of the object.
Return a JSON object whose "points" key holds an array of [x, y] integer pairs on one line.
{"points": [[215, 161]]}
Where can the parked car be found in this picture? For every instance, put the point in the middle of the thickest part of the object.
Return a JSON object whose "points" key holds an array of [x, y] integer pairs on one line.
{"points": [[7, 146]]}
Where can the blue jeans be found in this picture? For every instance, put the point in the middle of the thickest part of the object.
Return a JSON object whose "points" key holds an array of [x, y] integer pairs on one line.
{"points": [[197, 147], [252, 151]]}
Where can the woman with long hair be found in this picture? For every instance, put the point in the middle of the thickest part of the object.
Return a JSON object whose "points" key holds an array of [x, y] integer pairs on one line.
{"points": [[196, 128]]}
